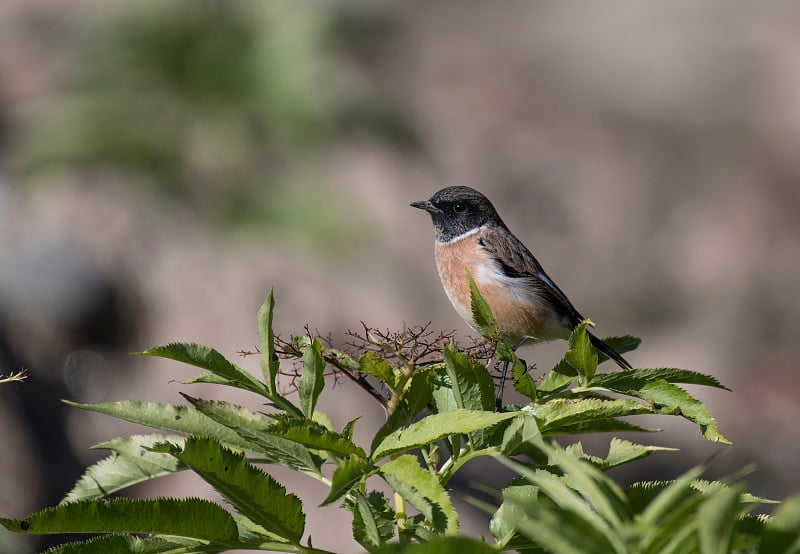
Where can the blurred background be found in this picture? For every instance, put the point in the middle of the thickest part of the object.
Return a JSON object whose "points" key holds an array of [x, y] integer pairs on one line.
{"points": [[163, 165]]}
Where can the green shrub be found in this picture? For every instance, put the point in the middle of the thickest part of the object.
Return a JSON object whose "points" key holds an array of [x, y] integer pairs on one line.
{"points": [[440, 408]]}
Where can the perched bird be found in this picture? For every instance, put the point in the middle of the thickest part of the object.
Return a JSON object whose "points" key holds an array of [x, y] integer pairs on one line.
{"points": [[471, 239]]}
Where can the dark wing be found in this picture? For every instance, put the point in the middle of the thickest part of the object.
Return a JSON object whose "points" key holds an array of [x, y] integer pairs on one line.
{"points": [[517, 262]]}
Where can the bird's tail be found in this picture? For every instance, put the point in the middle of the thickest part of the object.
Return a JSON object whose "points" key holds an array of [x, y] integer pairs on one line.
{"points": [[608, 351]]}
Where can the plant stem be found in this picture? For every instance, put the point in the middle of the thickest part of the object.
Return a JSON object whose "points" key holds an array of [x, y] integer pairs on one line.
{"points": [[398, 392]]}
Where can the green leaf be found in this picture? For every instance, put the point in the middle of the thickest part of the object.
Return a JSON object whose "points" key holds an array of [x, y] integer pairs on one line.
{"points": [[610, 425], [782, 533], [711, 487], [439, 545], [581, 356], [422, 490], [621, 345], [189, 517], [520, 378], [671, 399], [482, 313], [621, 452], [560, 413], [373, 365], [634, 379], [349, 427], [270, 365], [560, 377], [207, 358], [417, 395], [314, 435], [437, 426], [253, 434], [675, 531], [515, 497], [560, 519], [128, 544], [373, 519], [251, 491], [716, 520], [346, 475], [605, 497], [669, 498], [522, 430], [472, 385], [442, 395], [180, 419], [312, 381], [129, 464]]}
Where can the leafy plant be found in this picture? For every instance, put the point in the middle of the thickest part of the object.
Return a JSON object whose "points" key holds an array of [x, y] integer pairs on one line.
{"points": [[440, 415]]}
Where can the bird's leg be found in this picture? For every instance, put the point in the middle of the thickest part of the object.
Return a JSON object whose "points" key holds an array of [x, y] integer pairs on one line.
{"points": [[498, 398]]}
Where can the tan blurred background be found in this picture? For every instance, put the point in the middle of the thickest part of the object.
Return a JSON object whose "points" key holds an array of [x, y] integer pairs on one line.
{"points": [[162, 166]]}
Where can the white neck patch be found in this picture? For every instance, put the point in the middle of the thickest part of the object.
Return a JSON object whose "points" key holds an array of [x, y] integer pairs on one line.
{"points": [[462, 236]]}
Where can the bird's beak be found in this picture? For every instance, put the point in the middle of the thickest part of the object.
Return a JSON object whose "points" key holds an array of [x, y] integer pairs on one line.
{"points": [[426, 205]]}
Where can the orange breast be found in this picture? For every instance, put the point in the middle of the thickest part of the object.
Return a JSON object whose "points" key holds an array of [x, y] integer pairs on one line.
{"points": [[518, 311]]}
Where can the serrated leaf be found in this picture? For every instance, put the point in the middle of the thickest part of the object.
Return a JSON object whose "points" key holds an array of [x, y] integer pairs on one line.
{"points": [[314, 435], [188, 517], [482, 313], [605, 497], [421, 489], [611, 425], [439, 545], [437, 426], [252, 432], [209, 359], [782, 532], [129, 544], [581, 356], [417, 395], [716, 520], [270, 365], [251, 491], [634, 379], [671, 399], [373, 365], [620, 345], [209, 378], [709, 487], [669, 497], [312, 380], [473, 388], [560, 519], [559, 413], [252, 533], [373, 519], [346, 475], [560, 377], [349, 427], [521, 430], [129, 464], [515, 498], [621, 452], [180, 419]]}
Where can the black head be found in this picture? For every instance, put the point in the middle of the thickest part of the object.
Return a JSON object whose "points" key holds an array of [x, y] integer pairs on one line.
{"points": [[456, 210]]}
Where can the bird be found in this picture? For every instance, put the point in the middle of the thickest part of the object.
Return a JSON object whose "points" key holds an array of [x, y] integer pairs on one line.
{"points": [[472, 240]]}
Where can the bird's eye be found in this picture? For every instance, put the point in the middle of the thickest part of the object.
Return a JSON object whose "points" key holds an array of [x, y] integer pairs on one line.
{"points": [[459, 207]]}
